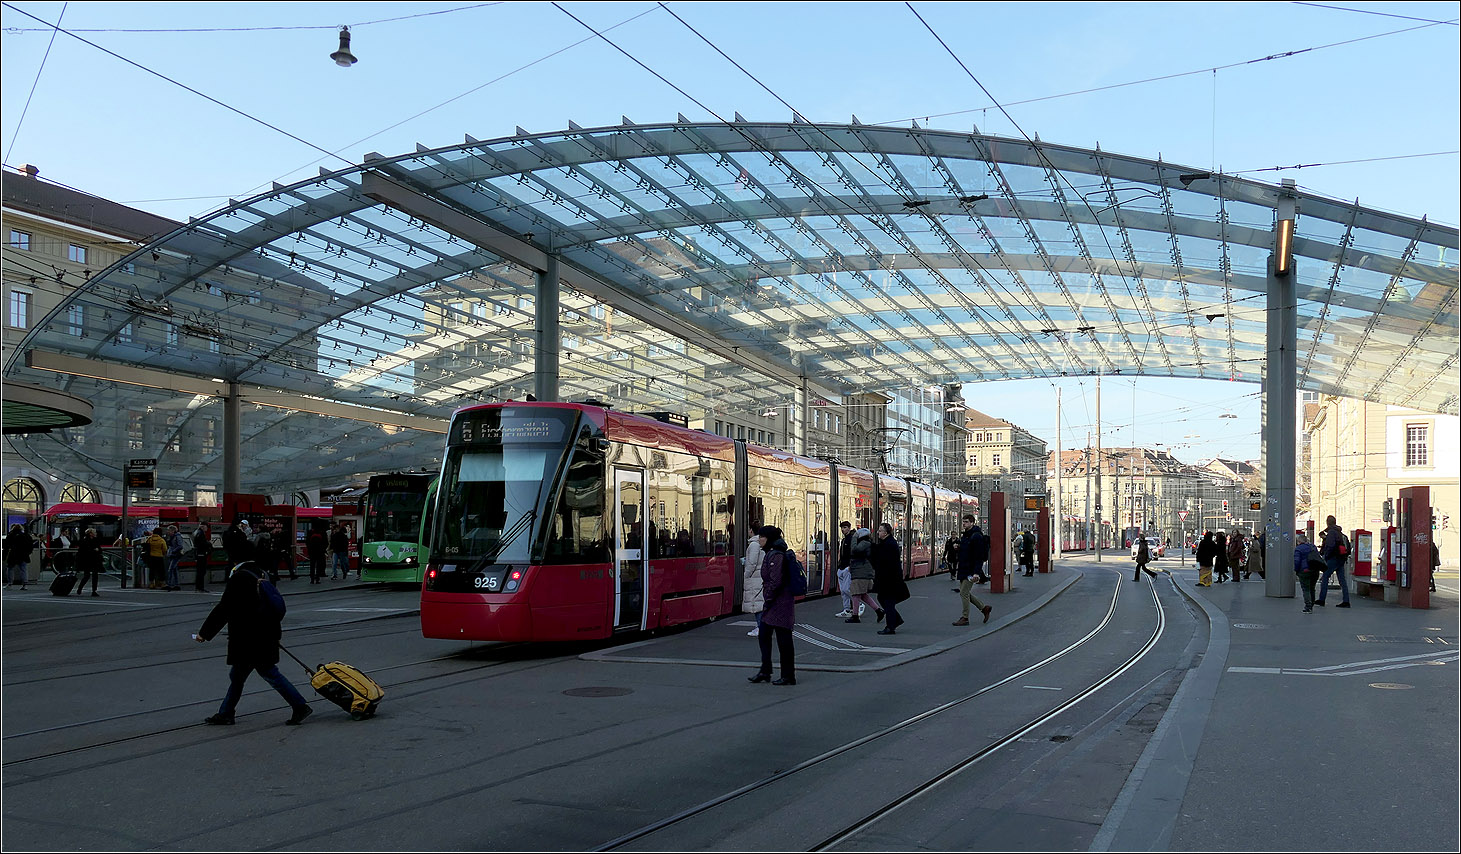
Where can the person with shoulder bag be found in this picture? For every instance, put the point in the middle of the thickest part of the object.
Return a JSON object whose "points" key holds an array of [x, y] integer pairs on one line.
{"points": [[1308, 564], [254, 619], [1335, 552]]}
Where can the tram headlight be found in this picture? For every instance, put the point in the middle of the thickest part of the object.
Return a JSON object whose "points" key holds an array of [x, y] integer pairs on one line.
{"points": [[411, 561]]}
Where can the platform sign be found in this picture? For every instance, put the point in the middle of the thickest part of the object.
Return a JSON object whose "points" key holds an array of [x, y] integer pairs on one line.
{"points": [[142, 464], [141, 479]]}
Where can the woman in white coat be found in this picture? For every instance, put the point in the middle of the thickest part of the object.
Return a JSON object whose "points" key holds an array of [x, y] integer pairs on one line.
{"points": [[753, 601]]}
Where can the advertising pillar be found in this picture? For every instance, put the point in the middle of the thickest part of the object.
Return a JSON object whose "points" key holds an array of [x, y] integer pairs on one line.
{"points": [[1042, 538], [1413, 567], [1000, 580]]}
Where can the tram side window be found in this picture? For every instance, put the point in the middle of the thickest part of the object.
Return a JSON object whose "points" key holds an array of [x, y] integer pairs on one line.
{"points": [[782, 497], [683, 493], [577, 533]]}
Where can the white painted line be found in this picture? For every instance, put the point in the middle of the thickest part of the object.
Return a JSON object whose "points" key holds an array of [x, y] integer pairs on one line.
{"points": [[1378, 661], [1041, 688], [363, 610], [79, 600], [815, 642], [1395, 664], [832, 637]]}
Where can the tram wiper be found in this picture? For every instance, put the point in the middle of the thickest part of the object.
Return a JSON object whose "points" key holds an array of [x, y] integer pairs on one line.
{"points": [[505, 540]]}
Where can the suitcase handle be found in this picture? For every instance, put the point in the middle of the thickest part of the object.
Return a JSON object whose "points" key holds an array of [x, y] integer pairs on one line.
{"points": [[296, 658]]}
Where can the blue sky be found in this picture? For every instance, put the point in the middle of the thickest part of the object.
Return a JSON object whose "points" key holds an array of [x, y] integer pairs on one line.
{"points": [[1365, 92]]}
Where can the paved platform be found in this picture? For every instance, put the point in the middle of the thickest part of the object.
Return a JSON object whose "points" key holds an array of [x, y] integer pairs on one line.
{"points": [[827, 642]]}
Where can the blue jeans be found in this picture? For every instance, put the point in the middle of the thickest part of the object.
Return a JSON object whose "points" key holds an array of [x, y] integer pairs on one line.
{"points": [[238, 674], [172, 571], [342, 564], [1335, 566]]}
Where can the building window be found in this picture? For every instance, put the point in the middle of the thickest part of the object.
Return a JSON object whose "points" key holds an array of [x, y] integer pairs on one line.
{"points": [[996, 460], [76, 253], [172, 334], [1417, 445], [76, 321], [124, 335], [19, 309], [23, 497], [20, 240], [76, 492]]}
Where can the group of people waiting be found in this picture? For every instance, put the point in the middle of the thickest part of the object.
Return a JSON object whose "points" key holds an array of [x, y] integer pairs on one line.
{"points": [[869, 576], [1224, 556]]}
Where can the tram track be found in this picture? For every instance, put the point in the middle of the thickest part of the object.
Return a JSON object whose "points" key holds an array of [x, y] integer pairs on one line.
{"points": [[912, 794], [151, 661], [393, 691]]}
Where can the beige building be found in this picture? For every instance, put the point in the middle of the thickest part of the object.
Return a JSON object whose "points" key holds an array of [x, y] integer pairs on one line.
{"points": [[1002, 456], [1362, 453]]}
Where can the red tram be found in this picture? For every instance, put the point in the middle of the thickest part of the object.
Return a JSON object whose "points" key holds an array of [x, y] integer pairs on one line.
{"points": [[558, 521]]}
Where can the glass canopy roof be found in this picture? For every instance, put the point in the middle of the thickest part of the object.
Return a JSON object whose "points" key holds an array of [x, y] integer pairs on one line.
{"points": [[705, 268]]}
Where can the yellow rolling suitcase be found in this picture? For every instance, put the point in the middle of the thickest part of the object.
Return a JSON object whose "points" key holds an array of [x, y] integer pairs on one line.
{"points": [[345, 686]]}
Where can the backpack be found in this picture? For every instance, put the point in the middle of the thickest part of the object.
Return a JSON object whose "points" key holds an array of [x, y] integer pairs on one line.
{"points": [[271, 601], [796, 575], [1316, 562]]}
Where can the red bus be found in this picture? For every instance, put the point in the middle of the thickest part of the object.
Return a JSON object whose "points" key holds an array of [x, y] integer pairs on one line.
{"points": [[71, 519], [558, 521]]}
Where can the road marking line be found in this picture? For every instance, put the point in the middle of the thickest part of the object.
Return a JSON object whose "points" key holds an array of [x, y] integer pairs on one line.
{"points": [[364, 610], [1041, 688]]}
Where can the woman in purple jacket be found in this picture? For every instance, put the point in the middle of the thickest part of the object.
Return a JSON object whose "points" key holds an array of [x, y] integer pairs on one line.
{"points": [[779, 615]]}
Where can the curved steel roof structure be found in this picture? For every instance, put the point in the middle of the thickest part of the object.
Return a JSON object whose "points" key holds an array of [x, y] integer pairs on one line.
{"points": [[711, 265]]}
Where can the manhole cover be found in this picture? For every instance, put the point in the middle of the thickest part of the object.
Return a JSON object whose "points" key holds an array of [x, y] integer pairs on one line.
{"points": [[1249, 626], [1391, 686], [598, 692]]}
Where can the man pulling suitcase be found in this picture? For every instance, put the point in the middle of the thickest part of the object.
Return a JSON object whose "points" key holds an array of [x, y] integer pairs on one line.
{"points": [[253, 610]]}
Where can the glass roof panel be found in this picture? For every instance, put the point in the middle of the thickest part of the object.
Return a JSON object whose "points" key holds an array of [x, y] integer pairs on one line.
{"points": [[319, 288]]}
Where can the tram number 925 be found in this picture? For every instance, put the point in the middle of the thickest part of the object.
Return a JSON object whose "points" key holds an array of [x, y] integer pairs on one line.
{"points": [[489, 582]]}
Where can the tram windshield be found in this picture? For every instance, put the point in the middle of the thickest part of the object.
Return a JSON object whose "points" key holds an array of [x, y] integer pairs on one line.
{"points": [[394, 516], [501, 470]]}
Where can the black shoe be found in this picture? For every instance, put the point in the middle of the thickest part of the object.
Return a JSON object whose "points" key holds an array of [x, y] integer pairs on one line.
{"points": [[785, 681], [881, 614], [888, 631], [1308, 610], [853, 619], [219, 720], [299, 715], [1342, 605], [1320, 603], [760, 677]]}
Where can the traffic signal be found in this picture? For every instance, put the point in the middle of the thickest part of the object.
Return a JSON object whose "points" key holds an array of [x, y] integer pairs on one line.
{"points": [[1387, 510], [1225, 505]]}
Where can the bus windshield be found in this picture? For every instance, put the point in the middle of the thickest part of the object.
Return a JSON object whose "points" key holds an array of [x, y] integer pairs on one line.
{"points": [[493, 490]]}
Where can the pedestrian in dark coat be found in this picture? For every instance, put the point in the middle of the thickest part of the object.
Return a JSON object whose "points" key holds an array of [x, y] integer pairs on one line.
{"points": [[779, 615], [253, 643], [237, 542], [89, 561], [1220, 555], [966, 569], [888, 583]]}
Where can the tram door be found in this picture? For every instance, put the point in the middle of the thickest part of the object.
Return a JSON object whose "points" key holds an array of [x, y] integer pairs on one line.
{"points": [[816, 546], [630, 559]]}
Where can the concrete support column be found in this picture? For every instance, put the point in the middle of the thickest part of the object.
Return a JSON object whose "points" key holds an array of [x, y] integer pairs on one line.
{"points": [[1280, 406], [233, 440], [549, 341], [799, 418]]}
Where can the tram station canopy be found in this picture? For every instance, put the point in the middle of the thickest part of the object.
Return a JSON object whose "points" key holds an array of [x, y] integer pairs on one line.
{"points": [[710, 266]]}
